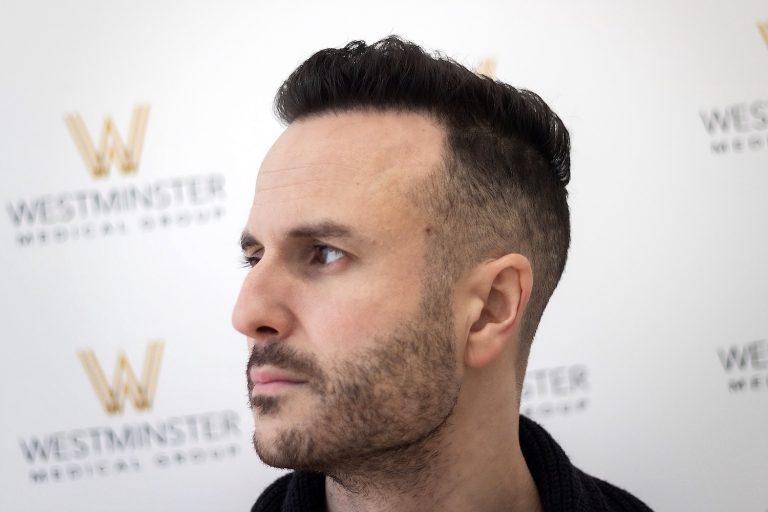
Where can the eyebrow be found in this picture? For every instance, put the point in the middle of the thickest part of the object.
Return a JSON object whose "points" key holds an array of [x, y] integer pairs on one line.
{"points": [[321, 230]]}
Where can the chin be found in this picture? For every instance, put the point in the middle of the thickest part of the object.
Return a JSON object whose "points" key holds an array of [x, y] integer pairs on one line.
{"points": [[286, 448]]}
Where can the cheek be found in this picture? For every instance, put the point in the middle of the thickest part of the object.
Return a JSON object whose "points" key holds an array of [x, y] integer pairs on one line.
{"points": [[351, 310], [354, 320], [341, 324]]}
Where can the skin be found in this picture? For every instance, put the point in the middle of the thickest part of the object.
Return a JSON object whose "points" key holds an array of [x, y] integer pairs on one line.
{"points": [[441, 411]]}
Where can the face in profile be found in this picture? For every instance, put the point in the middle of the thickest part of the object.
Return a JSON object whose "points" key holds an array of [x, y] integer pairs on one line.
{"points": [[348, 321]]}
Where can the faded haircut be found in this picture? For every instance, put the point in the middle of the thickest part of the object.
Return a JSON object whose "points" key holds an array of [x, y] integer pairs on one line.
{"points": [[502, 188]]}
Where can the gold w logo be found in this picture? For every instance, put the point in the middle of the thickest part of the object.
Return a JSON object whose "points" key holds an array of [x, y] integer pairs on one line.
{"points": [[111, 147], [124, 381], [763, 28], [487, 67]]}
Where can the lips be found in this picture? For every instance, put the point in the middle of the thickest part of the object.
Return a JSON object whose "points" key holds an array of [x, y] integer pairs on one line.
{"points": [[264, 375]]}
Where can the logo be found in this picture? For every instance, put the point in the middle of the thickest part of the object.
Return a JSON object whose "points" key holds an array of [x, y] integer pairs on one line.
{"points": [[99, 451], [117, 448], [737, 128], [111, 148], [746, 366], [107, 209], [487, 67], [124, 382], [558, 391]]}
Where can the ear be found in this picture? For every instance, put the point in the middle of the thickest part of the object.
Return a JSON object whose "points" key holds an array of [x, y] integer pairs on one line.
{"points": [[504, 287]]}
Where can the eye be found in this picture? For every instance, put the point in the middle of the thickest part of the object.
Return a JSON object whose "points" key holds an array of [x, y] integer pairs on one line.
{"points": [[325, 255], [249, 261]]}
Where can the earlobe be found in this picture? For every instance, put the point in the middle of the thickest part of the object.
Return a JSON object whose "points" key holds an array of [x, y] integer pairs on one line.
{"points": [[504, 286]]}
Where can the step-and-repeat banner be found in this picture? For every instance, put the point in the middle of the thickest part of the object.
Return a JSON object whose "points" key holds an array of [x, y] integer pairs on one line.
{"points": [[131, 133]]}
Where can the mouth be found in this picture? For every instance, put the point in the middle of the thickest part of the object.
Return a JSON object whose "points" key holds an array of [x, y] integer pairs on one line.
{"points": [[267, 380]]}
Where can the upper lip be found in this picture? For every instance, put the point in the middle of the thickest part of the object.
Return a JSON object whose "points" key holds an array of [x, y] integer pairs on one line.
{"points": [[266, 374]]}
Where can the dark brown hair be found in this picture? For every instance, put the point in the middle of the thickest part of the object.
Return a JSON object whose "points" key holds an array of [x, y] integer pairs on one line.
{"points": [[507, 158]]}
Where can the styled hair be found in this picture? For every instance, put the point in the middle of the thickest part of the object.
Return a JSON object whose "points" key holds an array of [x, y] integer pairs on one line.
{"points": [[506, 161]]}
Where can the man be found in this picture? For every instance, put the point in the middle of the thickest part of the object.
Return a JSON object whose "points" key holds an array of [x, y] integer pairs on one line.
{"points": [[407, 230]]}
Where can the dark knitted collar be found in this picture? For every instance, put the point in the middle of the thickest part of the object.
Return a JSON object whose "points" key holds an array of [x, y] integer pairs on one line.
{"points": [[562, 487]]}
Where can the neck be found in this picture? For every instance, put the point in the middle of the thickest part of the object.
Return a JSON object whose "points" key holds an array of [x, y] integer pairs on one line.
{"points": [[472, 462]]}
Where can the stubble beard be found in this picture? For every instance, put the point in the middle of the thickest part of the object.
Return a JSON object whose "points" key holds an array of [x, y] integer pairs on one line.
{"points": [[380, 415]]}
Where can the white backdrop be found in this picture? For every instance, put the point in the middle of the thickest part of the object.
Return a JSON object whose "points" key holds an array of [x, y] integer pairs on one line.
{"points": [[651, 365]]}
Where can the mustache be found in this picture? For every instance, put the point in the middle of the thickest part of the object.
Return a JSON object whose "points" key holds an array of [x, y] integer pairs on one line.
{"points": [[281, 356]]}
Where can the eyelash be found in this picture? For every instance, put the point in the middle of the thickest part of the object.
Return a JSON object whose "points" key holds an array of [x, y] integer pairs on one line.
{"points": [[251, 261], [247, 261]]}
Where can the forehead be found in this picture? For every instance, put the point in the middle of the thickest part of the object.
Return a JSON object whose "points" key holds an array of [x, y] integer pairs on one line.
{"points": [[351, 166]]}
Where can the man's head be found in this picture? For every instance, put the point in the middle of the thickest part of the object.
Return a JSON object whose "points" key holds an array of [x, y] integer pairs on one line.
{"points": [[506, 158], [394, 230]]}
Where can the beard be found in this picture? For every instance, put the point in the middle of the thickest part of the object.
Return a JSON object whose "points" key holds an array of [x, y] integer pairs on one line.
{"points": [[378, 412]]}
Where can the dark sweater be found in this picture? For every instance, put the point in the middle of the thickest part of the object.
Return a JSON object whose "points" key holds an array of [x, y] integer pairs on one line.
{"points": [[561, 486]]}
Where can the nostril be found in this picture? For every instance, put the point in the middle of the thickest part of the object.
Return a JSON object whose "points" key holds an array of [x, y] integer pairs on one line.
{"points": [[266, 330]]}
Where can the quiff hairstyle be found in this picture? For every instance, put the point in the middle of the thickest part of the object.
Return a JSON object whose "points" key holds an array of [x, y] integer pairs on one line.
{"points": [[506, 162]]}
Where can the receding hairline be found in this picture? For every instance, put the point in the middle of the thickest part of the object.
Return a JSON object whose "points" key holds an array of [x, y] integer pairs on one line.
{"points": [[442, 129], [431, 191]]}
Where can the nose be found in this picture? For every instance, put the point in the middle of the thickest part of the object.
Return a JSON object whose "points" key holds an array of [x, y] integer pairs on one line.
{"points": [[262, 310]]}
